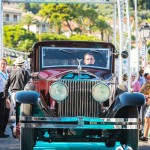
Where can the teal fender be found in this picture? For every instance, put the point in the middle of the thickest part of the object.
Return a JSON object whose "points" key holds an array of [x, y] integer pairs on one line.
{"points": [[126, 99], [27, 97], [133, 99]]}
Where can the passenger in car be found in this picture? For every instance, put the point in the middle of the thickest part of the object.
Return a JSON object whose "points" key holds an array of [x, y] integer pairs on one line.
{"points": [[89, 59]]}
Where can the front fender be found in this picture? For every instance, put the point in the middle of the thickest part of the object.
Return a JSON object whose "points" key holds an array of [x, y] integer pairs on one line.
{"points": [[27, 97], [132, 99], [126, 99]]}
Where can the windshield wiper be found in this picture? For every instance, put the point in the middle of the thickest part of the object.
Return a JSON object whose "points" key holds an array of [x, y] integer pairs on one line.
{"points": [[66, 51], [96, 51]]}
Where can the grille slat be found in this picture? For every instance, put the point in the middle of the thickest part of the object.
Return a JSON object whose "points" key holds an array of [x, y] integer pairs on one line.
{"points": [[79, 101]]}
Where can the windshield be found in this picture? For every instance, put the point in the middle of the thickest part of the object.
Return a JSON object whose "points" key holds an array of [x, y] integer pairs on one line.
{"points": [[62, 56]]}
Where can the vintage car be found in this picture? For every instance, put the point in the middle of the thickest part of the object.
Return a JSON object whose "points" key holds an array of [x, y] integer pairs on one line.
{"points": [[67, 100]]}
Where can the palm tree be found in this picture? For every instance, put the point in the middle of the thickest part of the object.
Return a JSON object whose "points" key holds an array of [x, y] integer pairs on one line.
{"points": [[102, 26], [28, 20]]}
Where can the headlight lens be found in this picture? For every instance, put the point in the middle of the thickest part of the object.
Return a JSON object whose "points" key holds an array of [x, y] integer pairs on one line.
{"points": [[58, 91], [100, 92]]}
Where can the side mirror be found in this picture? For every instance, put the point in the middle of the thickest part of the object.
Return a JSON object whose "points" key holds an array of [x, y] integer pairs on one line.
{"points": [[124, 54]]}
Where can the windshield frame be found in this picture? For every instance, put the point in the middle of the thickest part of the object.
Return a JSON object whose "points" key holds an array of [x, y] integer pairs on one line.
{"points": [[73, 50]]}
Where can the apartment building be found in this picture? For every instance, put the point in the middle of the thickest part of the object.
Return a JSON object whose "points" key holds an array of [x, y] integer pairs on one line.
{"points": [[11, 14]]}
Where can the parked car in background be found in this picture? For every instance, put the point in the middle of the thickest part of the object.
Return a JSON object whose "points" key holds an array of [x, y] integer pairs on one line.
{"points": [[69, 101]]}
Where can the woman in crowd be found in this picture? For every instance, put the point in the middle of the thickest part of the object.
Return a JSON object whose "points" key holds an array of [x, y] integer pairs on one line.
{"points": [[145, 89], [135, 84]]}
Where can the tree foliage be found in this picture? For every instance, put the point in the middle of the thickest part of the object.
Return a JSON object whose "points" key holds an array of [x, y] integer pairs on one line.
{"points": [[78, 37], [30, 7], [50, 36], [10, 61], [102, 26], [16, 36], [79, 20], [28, 20], [57, 14]]}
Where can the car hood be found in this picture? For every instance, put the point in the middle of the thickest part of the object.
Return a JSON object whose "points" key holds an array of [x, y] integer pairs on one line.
{"points": [[58, 73]]}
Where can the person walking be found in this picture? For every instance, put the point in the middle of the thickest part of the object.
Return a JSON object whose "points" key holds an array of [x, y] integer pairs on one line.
{"points": [[17, 80], [145, 89], [4, 112]]}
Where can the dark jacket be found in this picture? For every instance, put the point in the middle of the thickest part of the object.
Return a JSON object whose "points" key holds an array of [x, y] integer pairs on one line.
{"points": [[16, 81]]}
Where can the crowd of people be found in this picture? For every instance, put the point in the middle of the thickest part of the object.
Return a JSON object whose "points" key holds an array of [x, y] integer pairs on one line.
{"points": [[140, 82], [10, 82]]}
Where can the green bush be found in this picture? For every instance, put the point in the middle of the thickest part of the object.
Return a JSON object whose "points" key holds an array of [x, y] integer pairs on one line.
{"points": [[78, 37], [50, 36], [18, 38]]}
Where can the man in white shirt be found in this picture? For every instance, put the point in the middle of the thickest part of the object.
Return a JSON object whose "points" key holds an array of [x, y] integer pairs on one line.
{"points": [[3, 78]]}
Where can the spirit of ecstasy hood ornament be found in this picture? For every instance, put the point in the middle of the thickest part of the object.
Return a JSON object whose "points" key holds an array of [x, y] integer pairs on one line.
{"points": [[79, 66]]}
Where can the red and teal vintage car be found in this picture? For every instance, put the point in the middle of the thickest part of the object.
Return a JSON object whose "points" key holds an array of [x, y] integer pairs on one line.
{"points": [[69, 100]]}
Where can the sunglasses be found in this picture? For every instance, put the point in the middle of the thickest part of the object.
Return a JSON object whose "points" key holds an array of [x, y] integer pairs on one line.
{"points": [[133, 76]]}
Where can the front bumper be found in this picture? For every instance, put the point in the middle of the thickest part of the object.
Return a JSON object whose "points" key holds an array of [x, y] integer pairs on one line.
{"points": [[78, 123]]}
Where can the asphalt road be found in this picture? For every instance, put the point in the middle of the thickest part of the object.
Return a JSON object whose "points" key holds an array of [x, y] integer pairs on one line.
{"points": [[13, 144]]}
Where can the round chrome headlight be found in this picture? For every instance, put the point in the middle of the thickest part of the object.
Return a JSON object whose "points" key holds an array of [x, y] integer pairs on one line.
{"points": [[58, 91], [100, 92]]}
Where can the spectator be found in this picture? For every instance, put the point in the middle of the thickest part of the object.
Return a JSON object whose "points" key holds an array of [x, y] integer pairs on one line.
{"points": [[146, 91], [4, 113], [145, 76], [141, 78], [16, 82], [135, 85], [142, 108], [147, 69]]}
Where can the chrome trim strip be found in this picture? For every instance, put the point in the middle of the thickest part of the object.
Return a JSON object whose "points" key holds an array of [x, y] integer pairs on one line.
{"points": [[75, 126], [73, 119]]}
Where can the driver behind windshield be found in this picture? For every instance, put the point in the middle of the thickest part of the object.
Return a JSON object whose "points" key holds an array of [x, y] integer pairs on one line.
{"points": [[89, 59]]}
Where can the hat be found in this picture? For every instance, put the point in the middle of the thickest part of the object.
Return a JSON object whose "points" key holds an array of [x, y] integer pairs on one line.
{"points": [[19, 61], [123, 87], [148, 77]]}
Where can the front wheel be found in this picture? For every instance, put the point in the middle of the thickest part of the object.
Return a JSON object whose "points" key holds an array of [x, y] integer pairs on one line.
{"points": [[27, 138], [26, 134], [130, 136]]}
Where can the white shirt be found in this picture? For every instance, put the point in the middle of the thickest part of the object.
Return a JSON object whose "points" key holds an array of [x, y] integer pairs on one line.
{"points": [[1, 84], [3, 78]]}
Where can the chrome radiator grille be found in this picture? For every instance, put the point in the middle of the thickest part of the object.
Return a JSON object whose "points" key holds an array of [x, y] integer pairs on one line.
{"points": [[79, 101]]}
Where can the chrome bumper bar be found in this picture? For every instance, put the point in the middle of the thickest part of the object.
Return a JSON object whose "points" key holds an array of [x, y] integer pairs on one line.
{"points": [[79, 122]]}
